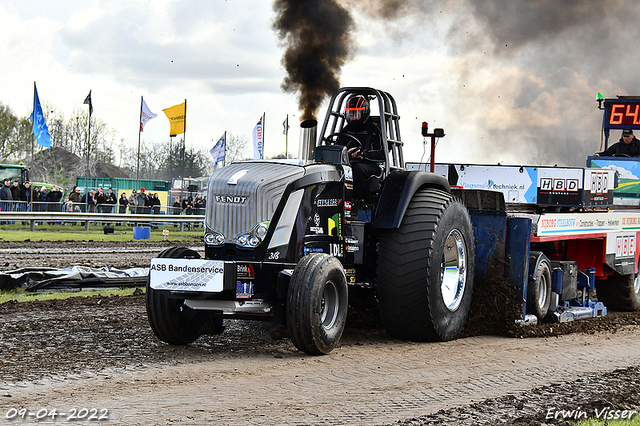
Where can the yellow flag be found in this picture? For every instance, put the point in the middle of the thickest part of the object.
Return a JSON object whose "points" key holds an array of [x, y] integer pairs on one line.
{"points": [[177, 115]]}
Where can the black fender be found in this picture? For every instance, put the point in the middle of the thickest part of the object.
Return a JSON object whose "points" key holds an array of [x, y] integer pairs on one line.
{"points": [[398, 189]]}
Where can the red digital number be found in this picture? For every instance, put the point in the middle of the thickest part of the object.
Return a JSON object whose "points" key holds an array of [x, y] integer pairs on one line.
{"points": [[625, 114], [634, 114], [616, 117]]}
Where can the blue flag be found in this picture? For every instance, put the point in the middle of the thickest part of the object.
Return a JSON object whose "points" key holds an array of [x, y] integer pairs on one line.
{"points": [[218, 151], [40, 128]]}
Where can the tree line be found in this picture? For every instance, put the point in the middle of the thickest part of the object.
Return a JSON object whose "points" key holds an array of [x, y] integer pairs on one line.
{"points": [[158, 159]]}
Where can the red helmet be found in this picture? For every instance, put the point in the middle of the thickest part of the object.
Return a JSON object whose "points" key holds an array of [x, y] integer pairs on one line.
{"points": [[357, 109]]}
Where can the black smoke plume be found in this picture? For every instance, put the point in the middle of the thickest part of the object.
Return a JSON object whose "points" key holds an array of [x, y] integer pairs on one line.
{"points": [[549, 59], [317, 37]]}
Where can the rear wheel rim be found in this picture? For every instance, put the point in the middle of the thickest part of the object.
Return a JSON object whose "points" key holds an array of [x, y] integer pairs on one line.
{"points": [[542, 289], [453, 270], [329, 305]]}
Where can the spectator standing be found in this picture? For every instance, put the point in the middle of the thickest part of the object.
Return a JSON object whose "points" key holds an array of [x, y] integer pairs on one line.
{"points": [[90, 201], [5, 191], [133, 202], [54, 199], [75, 196], [6, 199], [101, 200], [25, 194], [142, 201], [15, 194], [156, 204], [187, 205], [35, 199], [111, 200], [176, 206], [44, 199], [123, 202], [149, 203], [198, 204]]}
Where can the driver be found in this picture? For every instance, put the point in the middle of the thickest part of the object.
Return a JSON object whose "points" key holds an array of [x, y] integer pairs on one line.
{"points": [[628, 145], [366, 157]]}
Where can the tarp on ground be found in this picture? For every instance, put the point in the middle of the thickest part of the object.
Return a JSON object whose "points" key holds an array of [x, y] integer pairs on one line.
{"points": [[32, 279]]}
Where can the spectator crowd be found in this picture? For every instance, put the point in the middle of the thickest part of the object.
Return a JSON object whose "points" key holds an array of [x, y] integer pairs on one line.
{"points": [[16, 197]]}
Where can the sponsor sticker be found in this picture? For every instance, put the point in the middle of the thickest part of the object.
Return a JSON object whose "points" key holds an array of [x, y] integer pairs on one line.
{"points": [[244, 290], [230, 199], [318, 229], [329, 202], [186, 274], [307, 250]]}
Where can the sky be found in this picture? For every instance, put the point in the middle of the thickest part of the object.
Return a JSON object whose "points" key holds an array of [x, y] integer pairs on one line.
{"points": [[509, 81]]}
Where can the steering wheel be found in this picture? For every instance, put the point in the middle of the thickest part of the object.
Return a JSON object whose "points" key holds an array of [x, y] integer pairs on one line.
{"points": [[353, 141]]}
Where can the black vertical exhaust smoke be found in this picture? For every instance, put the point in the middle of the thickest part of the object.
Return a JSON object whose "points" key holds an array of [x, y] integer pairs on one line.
{"points": [[317, 38]]}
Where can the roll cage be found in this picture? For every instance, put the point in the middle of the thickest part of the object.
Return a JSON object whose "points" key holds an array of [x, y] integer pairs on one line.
{"points": [[388, 121]]}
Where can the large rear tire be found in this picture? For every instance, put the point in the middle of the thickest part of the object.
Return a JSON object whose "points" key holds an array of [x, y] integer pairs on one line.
{"points": [[317, 304], [620, 292], [171, 320], [425, 269], [539, 285]]}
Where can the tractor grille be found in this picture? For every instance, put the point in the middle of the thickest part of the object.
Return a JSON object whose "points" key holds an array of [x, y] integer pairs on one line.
{"points": [[233, 209]]}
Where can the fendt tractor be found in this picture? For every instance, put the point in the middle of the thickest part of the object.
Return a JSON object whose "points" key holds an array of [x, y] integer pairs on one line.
{"points": [[284, 243]]}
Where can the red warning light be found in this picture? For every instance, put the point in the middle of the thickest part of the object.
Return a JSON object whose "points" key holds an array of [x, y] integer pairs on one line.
{"points": [[425, 128]]}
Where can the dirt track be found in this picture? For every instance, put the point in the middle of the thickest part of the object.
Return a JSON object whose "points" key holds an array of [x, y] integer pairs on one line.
{"points": [[100, 353]]}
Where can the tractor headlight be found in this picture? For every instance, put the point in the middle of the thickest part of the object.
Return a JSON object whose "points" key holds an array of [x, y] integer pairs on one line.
{"points": [[261, 230], [214, 238], [254, 237]]}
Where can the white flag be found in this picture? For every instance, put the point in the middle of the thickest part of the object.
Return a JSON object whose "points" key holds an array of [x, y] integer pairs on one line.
{"points": [[145, 115], [218, 151], [258, 140]]}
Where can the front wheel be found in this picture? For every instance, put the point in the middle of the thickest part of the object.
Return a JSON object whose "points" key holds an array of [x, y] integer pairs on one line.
{"points": [[171, 320], [317, 304], [425, 269]]}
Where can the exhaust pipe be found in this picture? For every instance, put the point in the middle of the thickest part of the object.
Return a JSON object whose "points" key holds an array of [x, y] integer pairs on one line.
{"points": [[307, 145]]}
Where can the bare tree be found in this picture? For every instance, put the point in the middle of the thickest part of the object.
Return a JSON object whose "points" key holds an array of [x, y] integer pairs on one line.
{"points": [[236, 148], [8, 124]]}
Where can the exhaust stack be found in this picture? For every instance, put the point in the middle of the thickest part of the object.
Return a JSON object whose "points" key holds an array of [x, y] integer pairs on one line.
{"points": [[307, 145]]}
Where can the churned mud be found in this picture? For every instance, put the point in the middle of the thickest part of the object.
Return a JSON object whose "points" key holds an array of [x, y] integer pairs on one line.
{"points": [[99, 352]]}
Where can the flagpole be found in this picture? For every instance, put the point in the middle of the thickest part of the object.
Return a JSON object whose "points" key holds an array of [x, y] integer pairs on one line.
{"points": [[34, 120], [33, 138], [139, 132], [88, 159], [170, 161], [224, 162], [184, 140], [286, 138]]}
